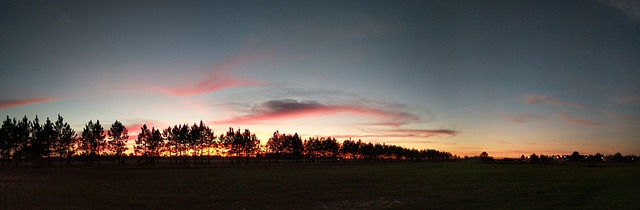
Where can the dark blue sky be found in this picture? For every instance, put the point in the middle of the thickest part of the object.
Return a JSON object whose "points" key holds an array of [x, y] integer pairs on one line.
{"points": [[507, 77]]}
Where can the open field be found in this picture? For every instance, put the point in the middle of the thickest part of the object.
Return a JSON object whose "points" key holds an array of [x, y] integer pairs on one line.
{"points": [[450, 185]]}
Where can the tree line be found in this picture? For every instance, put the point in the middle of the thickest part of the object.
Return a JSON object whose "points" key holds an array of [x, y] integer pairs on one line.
{"points": [[574, 157], [24, 142]]}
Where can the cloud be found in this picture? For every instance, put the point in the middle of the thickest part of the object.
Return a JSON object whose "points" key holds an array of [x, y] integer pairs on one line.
{"points": [[538, 98], [620, 116], [401, 133], [336, 98], [287, 109], [630, 8], [525, 118], [5, 104], [626, 100], [210, 85], [421, 132], [570, 119], [219, 77]]}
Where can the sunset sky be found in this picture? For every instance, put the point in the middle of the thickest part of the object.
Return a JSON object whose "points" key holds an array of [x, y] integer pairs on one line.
{"points": [[506, 77]]}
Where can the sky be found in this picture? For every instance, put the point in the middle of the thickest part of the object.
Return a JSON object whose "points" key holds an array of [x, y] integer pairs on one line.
{"points": [[506, 77]]}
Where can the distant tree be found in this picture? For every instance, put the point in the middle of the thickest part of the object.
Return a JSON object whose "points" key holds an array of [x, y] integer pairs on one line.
{"points": [[350, 149], [484, 156], [183, 138], [242, 144], [275, 145], [367, 151], [46, 137], [575, 156], [169, 145], [286, 145], [598, 157], [195, 141], [65, 139], [148, 144], [22, 134], [312, 148], [207, 140], [534, 158], [34, 145], [432, 154], [93, 141], [616, 157], [330, 147], [8, 142], [118, 136], [294, 145]]}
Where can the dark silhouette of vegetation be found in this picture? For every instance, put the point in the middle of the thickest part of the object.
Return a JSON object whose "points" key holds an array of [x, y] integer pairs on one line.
{"points": [[26, 143], [92, 142], [64, 142], [118, 136]]}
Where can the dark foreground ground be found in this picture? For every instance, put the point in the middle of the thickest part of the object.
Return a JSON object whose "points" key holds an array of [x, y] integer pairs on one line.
{"points": [[451, 185]]}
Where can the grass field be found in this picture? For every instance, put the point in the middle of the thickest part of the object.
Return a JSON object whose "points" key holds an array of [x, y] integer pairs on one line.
{"points": [[451, 185]]}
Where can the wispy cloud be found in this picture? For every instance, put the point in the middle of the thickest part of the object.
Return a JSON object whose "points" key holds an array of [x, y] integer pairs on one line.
{"points": [[421, 132], [570, 119], [5, 104], [395, 133], [219, 77], [626, 100], [620, 116], [630, 8], [210, 85], [538, 98], [525, 118], [287, 109]]}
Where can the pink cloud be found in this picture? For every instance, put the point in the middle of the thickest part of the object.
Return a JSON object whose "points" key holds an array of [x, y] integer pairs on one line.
{"points": [[277, 110], [537, 98], [568, 118], [211, 85], [219, 77], [620, 116], [395, 133], [24, 102], [525, 118]]}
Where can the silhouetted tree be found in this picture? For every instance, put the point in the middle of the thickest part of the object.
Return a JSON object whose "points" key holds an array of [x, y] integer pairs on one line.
{"points": [[148, 144], [46, 137], [65, 140], [93, 141], [22, 134], [575, 156], [615, 158], [183, 139], [243, 144], [330, 147], [169, 145], [275, 145], [312, 148], [118, 136], [484, 156], [207, 140], [534, 158], [367, 151], [350, 149], [8, 142]]}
